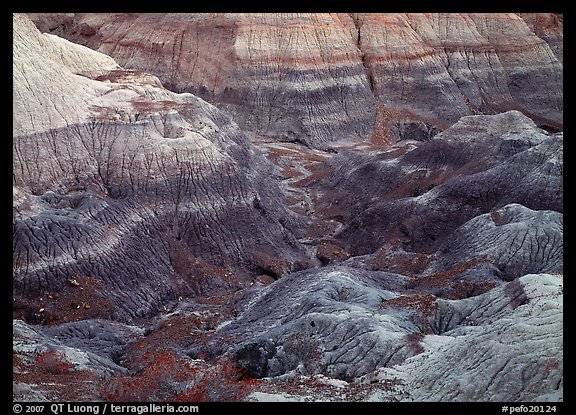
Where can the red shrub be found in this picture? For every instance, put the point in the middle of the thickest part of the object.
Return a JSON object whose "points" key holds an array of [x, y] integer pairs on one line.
{"points": [[227, 381], [413, 341], [167, 377], [157, 380], [53, 362]]}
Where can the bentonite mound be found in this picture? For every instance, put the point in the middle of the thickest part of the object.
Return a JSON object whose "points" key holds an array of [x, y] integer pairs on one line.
{"points": [[139, 205], [288, 207], [345, 332], [420, 192]]}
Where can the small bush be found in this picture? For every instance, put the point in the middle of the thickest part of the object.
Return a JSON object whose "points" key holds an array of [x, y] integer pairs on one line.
{"points": [[227, 381], [413, 341], [53, 362], [167, 377]]}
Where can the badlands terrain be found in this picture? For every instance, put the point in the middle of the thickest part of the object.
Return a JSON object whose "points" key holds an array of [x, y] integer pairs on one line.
{"points": [[288, 207]]}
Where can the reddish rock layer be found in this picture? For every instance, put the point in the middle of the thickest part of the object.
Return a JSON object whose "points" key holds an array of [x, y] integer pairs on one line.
{"points": [[439, 67], [321, 78]]}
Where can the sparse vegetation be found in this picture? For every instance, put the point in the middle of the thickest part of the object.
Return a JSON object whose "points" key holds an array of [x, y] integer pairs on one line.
{"points": [[168, 377], [53, 362]]}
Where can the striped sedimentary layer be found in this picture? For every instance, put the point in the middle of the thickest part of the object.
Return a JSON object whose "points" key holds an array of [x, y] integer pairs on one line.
{"points": [[436, 68], [140, 196], [304, 74], [322, 78], [291, 77]]}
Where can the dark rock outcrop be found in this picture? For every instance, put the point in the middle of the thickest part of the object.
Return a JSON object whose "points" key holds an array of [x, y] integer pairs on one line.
{"points": [[330, 325], [349, 324]]}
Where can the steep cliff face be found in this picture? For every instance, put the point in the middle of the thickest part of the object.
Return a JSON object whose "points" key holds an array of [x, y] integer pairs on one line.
{"points": [[548, 26], [323, 78]]}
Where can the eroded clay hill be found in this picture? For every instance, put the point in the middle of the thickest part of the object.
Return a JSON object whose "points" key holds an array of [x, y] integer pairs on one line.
{"points": [[330, 207], [323, 78], [142, 196]]}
